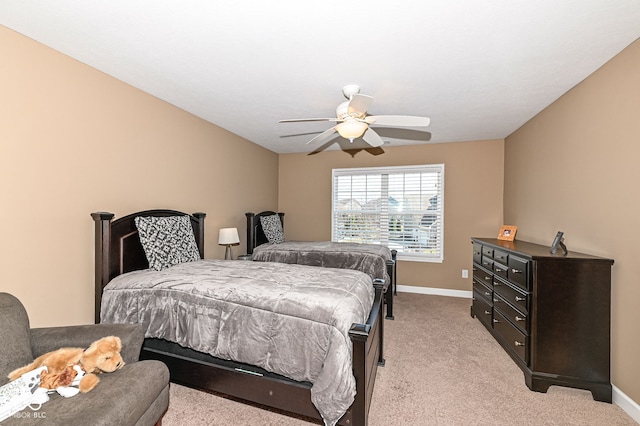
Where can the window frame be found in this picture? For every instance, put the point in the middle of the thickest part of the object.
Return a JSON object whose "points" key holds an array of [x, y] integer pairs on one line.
{"points": [[386, 213]]}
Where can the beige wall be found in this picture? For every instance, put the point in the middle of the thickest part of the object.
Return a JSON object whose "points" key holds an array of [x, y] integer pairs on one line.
{"points": [[574, 168], [472, 200], [74, 141]]}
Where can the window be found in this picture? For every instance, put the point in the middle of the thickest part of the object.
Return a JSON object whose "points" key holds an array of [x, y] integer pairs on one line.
{"points": [[400, 207]]}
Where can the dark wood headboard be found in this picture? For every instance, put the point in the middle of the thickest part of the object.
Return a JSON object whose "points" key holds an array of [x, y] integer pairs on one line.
{"points": [[255, 234], [118, 249]]}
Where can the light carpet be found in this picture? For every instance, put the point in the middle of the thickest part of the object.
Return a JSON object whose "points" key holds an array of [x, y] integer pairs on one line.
{"points": [[442, 368]]}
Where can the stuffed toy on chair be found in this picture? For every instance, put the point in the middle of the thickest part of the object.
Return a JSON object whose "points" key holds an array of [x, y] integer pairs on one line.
{"points": [[102, 356]]}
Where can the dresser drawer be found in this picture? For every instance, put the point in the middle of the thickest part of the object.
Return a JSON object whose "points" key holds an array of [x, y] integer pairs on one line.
{"points": [[500, 270], [482, 309], [519, 319], [512, 336], [483, 290], [487, 263], [512, 295], [483, 276], [487, 252], [519, 272], [501, 256], [477, 253]]}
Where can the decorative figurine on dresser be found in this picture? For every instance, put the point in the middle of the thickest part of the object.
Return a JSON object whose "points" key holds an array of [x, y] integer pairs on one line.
{"points": [[550, 312]]}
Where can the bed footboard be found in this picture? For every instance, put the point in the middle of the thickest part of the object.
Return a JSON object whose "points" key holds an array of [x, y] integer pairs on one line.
{"points": [[391, 291], [368, 343]]}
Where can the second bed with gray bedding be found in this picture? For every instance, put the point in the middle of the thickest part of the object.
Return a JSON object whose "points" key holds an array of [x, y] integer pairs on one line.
{"points": [[368, 258]]}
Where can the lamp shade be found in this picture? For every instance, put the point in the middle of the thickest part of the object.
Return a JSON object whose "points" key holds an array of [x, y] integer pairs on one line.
{"points": [[351, 129], [228, 236]]}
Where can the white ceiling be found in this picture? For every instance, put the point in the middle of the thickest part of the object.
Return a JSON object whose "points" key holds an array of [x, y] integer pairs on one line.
{"points": [[479, 69]]}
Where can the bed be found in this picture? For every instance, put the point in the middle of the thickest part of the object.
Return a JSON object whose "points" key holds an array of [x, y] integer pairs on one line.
{"points": [[120, 255], [376, 260]]}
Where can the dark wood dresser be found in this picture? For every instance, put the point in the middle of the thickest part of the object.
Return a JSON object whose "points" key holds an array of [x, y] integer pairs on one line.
{"points": [[550, 312]]}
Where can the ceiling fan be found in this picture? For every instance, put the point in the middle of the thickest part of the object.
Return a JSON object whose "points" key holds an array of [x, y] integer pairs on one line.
{"points": [[354, 122]]}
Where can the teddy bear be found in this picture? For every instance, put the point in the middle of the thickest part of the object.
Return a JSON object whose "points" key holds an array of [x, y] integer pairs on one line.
{"points": [[102, 356]]}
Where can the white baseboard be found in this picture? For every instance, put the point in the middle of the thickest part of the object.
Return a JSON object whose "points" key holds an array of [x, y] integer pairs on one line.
{"points": [[435, 291], [619, 398], [627, 404]]}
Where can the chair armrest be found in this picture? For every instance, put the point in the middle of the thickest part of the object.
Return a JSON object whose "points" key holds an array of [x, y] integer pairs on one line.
{"points": [[48, 339]]}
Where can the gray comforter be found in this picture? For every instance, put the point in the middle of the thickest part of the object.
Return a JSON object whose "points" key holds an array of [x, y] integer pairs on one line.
{"points": [[368, 258], [288, 319]]}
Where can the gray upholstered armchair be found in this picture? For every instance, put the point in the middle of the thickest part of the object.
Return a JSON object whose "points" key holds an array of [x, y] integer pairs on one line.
{"points": [[137, 394]]}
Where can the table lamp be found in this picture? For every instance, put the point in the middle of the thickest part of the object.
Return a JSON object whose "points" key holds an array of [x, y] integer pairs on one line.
{"points": [[228, 237]]}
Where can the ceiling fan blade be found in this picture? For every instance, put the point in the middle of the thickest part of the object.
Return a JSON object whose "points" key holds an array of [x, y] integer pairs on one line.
{"points": [[323, 135], [398, 120], [372, 138], [359, 104], [298, 120]]}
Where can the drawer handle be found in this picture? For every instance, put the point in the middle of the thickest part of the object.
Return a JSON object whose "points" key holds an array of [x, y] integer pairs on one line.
{"points": [[486, 293], [519, 343], [495, 321], [516, 271], [487, 278], [520, 299], [487, 313], [520, 319], [499, 270]]}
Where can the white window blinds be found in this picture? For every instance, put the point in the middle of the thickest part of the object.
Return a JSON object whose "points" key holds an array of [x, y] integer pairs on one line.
{"points": [[399, 207]]}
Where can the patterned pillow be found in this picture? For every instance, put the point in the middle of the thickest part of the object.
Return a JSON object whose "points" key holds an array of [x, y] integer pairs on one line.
{"points": [[167, 241], [272, 228]]}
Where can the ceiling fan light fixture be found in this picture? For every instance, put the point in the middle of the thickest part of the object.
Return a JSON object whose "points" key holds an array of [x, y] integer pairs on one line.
{"points": [[353, 120], [351, 129]]}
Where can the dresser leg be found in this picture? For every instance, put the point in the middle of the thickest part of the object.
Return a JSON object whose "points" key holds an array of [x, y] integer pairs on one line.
{"points": [[538, 384], [600, 392]]}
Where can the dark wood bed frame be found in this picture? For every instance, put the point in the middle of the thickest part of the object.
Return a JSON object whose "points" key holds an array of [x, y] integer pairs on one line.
{"points": [[256, 237], [118, 250]]}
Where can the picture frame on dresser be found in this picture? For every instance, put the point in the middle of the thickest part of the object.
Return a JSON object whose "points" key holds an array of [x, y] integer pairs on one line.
{"points": [[507, 233], [558, 242]]}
